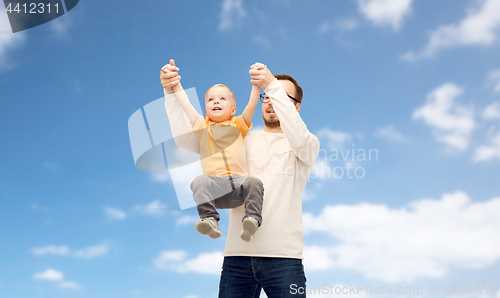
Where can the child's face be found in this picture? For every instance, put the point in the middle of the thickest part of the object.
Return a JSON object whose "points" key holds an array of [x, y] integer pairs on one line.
{"points": [[219, 104]]}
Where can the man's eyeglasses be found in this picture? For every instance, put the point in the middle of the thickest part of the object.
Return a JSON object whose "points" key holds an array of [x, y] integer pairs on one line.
{"points": [[265, 99]]}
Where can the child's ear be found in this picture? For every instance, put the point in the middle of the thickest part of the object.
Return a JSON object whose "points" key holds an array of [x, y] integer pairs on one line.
{"points": [[233, 112], [206, 114]]}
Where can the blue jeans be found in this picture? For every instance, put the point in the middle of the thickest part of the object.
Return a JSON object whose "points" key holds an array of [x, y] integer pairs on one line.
{"points": [[244, 277]]}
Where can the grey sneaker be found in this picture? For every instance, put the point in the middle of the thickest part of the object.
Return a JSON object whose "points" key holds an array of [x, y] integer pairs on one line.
{"points": [[208, 226], [250, 226]]}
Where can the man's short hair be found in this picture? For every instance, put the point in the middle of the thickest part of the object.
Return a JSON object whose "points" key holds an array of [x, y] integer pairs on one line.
{"points": [[222, 85], [298, 90]]}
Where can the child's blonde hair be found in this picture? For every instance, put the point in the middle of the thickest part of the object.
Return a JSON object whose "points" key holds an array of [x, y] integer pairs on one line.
{"points": [[222, 85]]}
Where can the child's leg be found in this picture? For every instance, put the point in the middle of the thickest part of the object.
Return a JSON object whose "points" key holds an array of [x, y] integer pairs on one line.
{"points": [[251, 193], [203, 194]]}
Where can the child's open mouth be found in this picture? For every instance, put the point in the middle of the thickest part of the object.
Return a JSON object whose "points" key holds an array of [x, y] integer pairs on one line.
{"points": [[216, 109]]}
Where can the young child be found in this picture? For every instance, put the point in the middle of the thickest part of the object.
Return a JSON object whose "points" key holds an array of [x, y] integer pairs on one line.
{"points": [[224, 183]]}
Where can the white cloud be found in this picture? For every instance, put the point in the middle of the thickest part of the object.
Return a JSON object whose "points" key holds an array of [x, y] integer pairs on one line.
{"points": [[92, 251], [70, 285], [176, 260], [114, 214], [168, 256], [160, 177], [389, 132], [8, 40], [54, 275], [232, 13], [51, 250], [425, 239], [61, 24], [85, 253], [490, 151], [339, 25], [478, 28], [49, 274], [385, 12], [186, 220], [493, 79], [41, 208], [334, 139], [308, 194], [452, 123], [155, 208], [492, 111], [262, 41]]}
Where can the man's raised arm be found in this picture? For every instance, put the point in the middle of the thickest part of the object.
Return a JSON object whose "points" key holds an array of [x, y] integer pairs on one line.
{"points": [[179, 122], [304, 144]]}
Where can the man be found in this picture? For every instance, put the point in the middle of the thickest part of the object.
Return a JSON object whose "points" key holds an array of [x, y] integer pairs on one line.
{"points": [[281, 156]]}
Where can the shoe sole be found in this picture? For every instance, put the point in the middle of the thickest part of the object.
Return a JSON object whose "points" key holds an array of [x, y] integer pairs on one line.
{"points": [[206, 228], [249, 229]]}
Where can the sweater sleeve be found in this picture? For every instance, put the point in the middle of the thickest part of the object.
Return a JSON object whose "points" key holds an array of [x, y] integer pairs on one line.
{"points": [[304, 144], [182, 132]]}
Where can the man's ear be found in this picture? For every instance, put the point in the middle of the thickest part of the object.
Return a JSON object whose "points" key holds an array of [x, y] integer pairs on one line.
{"points": [[297, 107]]}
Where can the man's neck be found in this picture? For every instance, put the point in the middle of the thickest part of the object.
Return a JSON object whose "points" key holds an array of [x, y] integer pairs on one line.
{"points": [[276, 129]]}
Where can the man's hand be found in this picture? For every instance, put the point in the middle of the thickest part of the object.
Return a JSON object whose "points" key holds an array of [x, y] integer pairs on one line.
{"points": [[169, 76], [260, 75]]}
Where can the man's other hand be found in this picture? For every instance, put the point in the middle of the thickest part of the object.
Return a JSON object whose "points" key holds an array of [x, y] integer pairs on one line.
{"points": [[260, 76]]}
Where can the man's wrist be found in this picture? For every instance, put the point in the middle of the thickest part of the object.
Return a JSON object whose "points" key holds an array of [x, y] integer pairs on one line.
{"points": [[265, 89]]}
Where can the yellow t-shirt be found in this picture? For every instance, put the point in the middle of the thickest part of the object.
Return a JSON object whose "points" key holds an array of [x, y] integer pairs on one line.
{"points": [[221, 146]]}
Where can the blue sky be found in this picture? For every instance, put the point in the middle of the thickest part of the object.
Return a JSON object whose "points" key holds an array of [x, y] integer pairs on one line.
{"points": [[417, 81]]}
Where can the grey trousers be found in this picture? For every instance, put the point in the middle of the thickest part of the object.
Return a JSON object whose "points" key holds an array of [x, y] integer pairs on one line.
{"points": [[211, 193]]}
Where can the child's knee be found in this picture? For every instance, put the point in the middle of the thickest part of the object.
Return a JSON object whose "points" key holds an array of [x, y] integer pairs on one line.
{"points": [[199, 181], [255, 183]]}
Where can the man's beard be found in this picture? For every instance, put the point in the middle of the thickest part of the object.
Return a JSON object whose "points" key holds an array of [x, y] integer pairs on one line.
{"points": [[272, 123]]}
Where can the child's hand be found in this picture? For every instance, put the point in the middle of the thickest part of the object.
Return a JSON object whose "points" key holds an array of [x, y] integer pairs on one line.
{"points": [[258, 66], [168, 75]]}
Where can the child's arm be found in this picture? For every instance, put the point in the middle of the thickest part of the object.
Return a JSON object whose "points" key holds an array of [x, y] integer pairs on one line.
{"points": [[252, 104]]}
